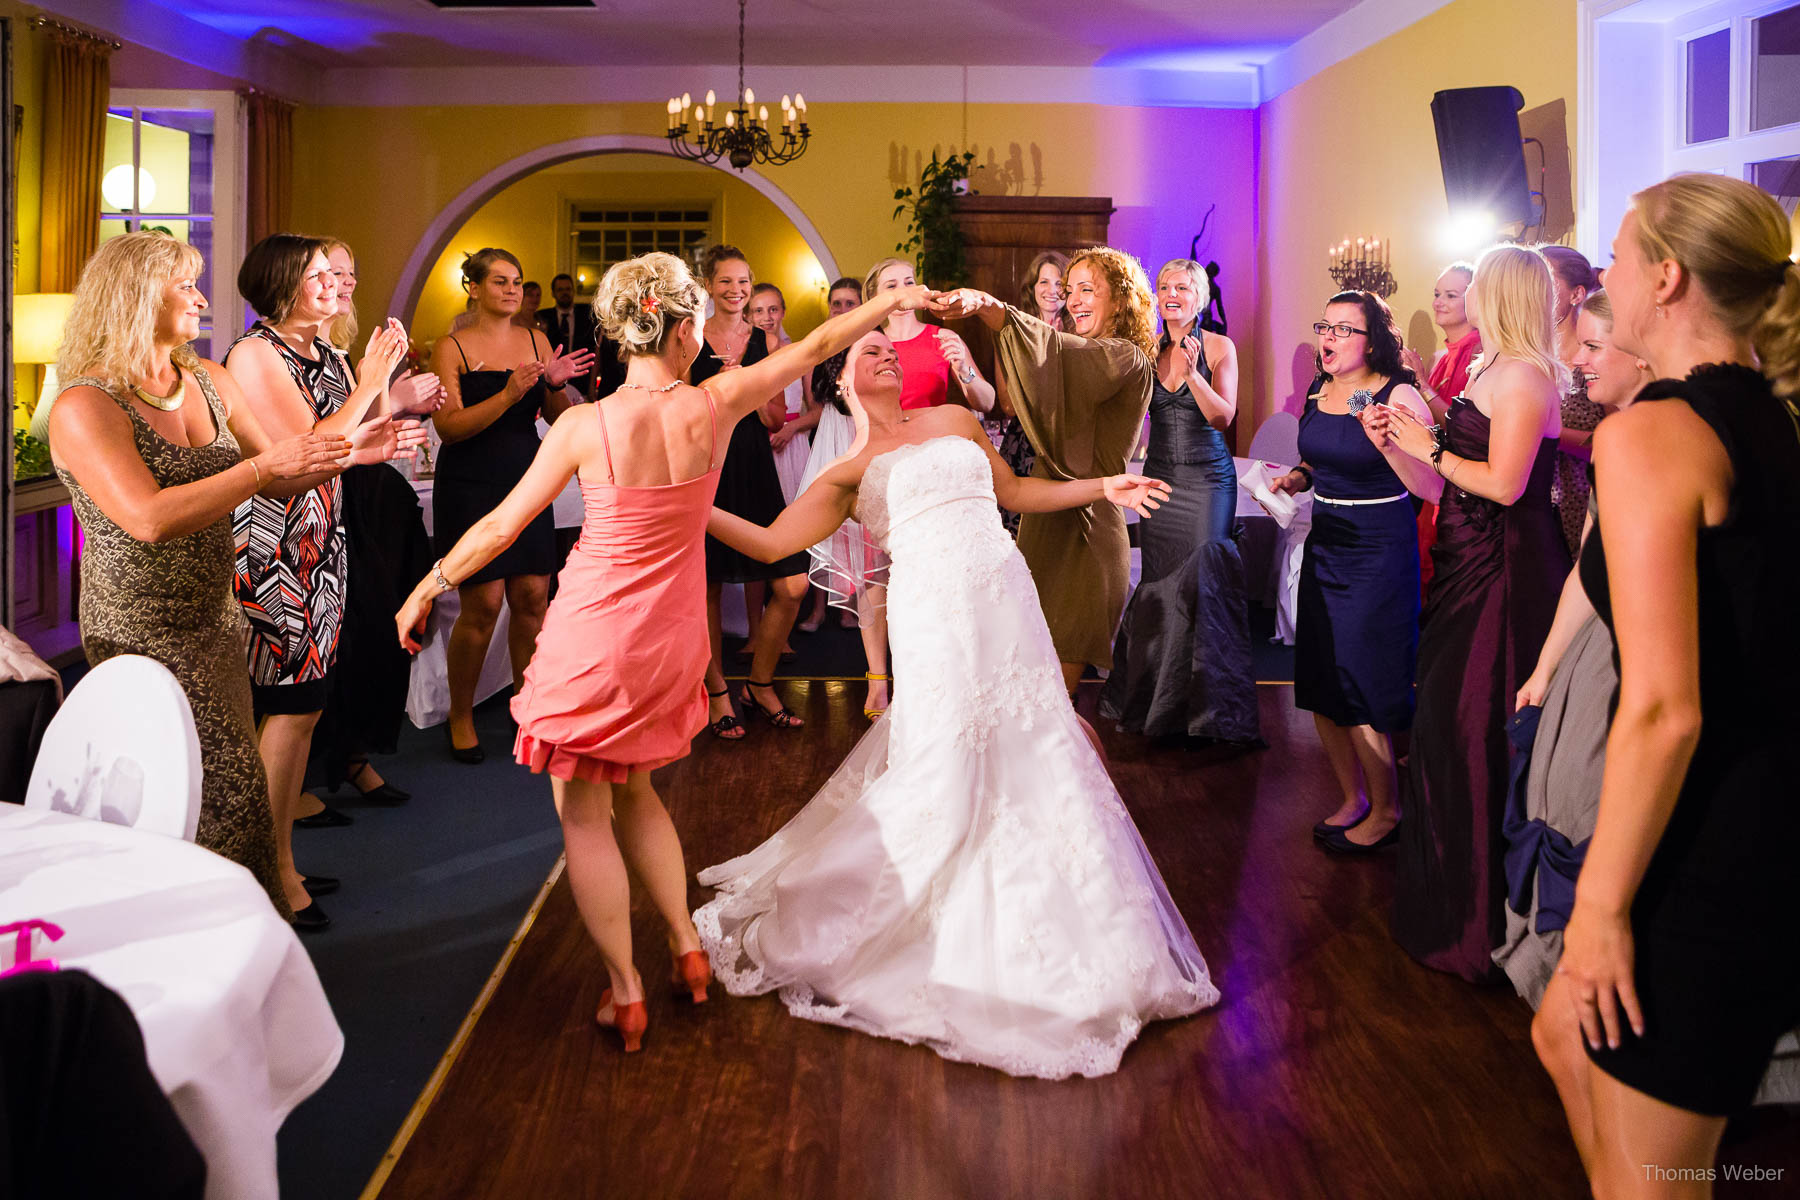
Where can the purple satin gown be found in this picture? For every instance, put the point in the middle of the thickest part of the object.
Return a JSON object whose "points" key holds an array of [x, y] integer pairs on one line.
{"points": [[1498, 572]]}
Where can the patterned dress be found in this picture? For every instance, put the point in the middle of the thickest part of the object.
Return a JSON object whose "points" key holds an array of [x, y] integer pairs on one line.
{"points": [[291, 566], [172, 601]]}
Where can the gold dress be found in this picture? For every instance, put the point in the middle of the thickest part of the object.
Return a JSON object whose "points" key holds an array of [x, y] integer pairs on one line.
{"points": [[174, 601], [1082, 403]]}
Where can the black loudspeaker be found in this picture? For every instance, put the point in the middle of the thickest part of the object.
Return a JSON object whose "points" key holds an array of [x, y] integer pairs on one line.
{"points": [[1482, 154]]}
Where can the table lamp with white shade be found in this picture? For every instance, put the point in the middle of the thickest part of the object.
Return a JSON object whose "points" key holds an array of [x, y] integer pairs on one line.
{"points": [[38, 320]]}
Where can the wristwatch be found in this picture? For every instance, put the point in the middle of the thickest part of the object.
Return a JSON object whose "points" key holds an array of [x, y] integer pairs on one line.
{"points": [[969, 377]]}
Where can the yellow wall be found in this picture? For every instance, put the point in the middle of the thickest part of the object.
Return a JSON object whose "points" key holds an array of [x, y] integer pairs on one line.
{"points": [[377, 177], [530, 218], [28, 93], [1352, 152]]}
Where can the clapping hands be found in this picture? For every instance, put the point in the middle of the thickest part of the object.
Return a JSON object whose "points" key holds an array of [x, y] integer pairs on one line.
{"points": [[563, 367], [1139, 493], [386, 349], [415, 393]]}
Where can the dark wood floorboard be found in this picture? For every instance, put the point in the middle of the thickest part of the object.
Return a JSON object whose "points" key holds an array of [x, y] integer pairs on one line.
{"points": [[1333, 1067]]}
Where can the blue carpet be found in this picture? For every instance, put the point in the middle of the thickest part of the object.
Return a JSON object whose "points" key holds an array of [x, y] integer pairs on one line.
{"points": [[433, 890]]}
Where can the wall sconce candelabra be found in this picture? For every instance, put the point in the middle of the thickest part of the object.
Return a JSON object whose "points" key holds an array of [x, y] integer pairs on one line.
{"points": [[1363, 266], [745, 135]]}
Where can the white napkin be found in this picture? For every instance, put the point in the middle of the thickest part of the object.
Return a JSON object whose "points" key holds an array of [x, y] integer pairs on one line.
{"points": [[1257, 479]]}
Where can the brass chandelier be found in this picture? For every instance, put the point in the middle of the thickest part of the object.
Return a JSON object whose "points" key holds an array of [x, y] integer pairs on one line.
{"points": [[745, 136]]}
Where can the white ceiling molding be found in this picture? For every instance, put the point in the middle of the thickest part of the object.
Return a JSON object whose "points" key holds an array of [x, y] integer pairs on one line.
{"points": [[402, 87], [1347, 34]]}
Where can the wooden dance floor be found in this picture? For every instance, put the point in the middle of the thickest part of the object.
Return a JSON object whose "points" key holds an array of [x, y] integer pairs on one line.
{"points": [[1332, 1067]]}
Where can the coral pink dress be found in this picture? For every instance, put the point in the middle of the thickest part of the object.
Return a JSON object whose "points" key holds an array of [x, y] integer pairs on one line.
{"points": [[618, 681]]}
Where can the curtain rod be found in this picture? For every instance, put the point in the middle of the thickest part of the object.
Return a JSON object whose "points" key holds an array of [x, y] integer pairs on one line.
{"points": [[75, 31]]}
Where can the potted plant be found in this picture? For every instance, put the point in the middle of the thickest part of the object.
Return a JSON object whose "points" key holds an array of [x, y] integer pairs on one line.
{"points": [[933, 238]]}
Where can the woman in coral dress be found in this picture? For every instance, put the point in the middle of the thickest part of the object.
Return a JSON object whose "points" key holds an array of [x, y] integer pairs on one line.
{"points": [[615, 689]]}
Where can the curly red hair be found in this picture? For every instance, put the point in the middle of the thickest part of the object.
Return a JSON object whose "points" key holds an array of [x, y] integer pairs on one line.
{"points": [[1133, 300]]}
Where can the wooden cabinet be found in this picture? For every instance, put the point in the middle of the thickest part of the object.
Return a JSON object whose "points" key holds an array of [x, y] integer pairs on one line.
{"points": [[1003, 234]]}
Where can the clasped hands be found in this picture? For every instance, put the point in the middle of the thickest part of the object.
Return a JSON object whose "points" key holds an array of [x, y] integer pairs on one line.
{"points": [[1388, 425]]}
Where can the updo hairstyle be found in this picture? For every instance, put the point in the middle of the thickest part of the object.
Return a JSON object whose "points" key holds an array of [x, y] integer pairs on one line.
{"points": [[475, 268], [640, 302]]}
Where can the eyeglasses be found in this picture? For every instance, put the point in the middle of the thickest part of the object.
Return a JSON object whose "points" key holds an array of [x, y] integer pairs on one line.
{"points": [[1322, 328]]}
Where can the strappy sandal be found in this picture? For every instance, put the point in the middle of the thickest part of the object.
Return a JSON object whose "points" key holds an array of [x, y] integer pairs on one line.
{"points": [[722, 727], [874, 713], [781, 718]]}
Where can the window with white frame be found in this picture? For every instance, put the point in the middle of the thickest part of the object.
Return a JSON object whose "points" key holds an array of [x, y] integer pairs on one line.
{"points": [[1678, 85], [606, 233], [171, 164]]}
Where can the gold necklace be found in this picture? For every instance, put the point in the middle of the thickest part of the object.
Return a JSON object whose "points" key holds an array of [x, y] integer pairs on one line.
{"points": [[168, 403]]}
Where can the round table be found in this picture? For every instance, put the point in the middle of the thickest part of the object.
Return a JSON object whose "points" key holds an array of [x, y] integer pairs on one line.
{"points": [[236, 1025]]}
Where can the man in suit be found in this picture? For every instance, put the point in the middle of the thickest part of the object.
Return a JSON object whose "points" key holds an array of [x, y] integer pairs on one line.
{"points": [[571, 326]]}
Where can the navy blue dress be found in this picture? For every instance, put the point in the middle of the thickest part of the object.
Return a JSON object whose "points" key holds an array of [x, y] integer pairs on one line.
{"points": [[1356, 637], [1181, 658]]}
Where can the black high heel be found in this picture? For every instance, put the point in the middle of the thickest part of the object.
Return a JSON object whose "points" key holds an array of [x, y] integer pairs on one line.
{"points": [[471, 754], [382, 793], [781, 718], [722, 727]]}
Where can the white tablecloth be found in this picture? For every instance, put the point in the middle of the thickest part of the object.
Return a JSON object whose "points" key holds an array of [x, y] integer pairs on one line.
{"points": [[428, 693], [236, 1026]]}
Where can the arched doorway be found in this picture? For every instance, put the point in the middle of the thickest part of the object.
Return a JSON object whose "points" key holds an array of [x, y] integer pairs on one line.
{"points": [[417, 272]]}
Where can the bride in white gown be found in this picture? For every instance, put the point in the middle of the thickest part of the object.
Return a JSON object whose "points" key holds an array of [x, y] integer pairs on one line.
{"points": [[968, 879]]}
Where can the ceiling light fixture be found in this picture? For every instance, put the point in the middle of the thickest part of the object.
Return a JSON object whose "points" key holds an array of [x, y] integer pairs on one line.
{"points": [[744, 136]]}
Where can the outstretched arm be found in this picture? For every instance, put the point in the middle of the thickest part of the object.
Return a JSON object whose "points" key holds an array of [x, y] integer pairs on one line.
{"points": [[556, 461], [813, 516], [1023, 494], [747, 389]]}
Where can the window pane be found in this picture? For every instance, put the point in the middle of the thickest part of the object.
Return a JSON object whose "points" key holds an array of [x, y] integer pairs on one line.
{"points": [[1780, 177], [182, 139], [1775, 69], [115, 168], [1709, 87]]}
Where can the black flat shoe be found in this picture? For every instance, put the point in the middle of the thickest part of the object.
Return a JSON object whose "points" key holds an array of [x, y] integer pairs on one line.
{"points": [[326, 818], [1337, 843], [471, 754], [311, 919], [319, 885], [1324, 830], [382, 793]]}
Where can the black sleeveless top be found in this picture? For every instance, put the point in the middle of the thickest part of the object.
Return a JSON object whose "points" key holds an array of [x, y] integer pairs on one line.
{"points": [[1739, 792], [502, 452], [1179, 431]]}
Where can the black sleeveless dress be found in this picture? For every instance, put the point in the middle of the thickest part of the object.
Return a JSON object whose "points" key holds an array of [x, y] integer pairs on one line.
{"points": [[475, 475], [748, 484], [1499, 570], [1716, 916], [1181, 657]]}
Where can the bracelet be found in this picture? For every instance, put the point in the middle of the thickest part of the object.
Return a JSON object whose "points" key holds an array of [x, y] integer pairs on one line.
{"points": [[1309, 476], [437, 577], [1450, 476], [258, 471], [970, 377]]}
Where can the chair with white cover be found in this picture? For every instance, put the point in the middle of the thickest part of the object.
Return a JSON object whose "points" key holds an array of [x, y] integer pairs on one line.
{"points": [[123, 749], [1277, 440]]}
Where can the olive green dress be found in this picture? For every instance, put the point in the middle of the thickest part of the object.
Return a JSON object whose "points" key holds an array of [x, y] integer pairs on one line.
{"points": [[1082, 403], [175, 602]]}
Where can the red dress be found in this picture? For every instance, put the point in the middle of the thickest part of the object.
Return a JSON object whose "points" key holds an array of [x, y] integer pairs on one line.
{"points": [[924, 371], [618, 681], [1449, 376]]}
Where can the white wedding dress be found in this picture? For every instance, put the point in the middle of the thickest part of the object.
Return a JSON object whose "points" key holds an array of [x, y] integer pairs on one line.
{"points": [[968, 879]]}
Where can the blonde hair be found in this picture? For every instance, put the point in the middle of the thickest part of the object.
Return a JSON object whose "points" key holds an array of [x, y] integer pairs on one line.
{"points": [[1515, 303], [872, 280], [1133, 300], [111, 332], [1195, 273], [1734, 240], [343, 326], [1599, 306], [640, 302]]}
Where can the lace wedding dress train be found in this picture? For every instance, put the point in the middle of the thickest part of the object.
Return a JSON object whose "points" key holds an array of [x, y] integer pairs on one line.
{"points": [[968, 879]]}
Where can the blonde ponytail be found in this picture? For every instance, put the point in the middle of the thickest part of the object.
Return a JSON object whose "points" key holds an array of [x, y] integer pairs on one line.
{"points": [[1776, 336]]}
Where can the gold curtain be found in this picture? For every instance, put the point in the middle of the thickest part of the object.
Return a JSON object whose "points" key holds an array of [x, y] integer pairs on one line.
{"points": [[271, 182], [77, 83]]}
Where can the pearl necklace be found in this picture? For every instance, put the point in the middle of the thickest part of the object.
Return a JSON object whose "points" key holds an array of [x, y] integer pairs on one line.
{"points": [[168, 403], [654, 391]]}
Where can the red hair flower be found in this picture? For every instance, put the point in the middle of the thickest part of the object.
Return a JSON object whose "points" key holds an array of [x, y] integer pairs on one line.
{"points": [[649, 303]]}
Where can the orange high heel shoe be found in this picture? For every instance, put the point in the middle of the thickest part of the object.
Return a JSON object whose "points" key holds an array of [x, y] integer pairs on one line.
{"points": [[694, 972], [631, 1020]]}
